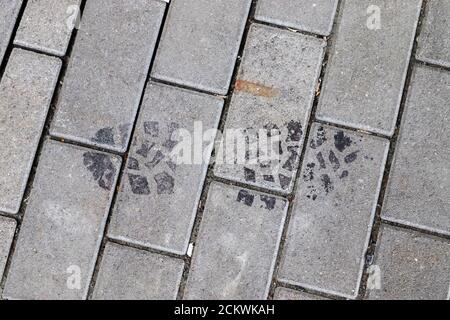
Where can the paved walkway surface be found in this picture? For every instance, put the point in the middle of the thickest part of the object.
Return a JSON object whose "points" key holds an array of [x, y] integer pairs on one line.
{"points": [[355, 205]]}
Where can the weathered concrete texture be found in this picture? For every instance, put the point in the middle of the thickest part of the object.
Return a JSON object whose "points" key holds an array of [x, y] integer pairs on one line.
{"points": [[434, 41], [314, 16], [200, 43], [159, 195], [368, 64], [289, 294], [107, 72], [237, 245], [47, 25], [26, 90], [131, 274], [274, 92], [8, 15], [63, 224], [7, 230], [419, 184], [412, 266], [333, 211]]}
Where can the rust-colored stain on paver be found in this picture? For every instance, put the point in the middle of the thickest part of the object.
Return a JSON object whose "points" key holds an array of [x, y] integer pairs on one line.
{"points": [[256, 89]]}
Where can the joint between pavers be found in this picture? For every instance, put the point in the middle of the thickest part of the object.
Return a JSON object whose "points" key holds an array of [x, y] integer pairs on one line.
{"points": [[416, 228], [312, 291], [251, 187], [36, 50], [353, 129], [185, 87], [132, 244], [430, 64], [84, 145], [294, 30]]}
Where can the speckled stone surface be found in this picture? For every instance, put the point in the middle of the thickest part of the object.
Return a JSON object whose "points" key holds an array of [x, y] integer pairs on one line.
{"points": [[412, 266], [47, 25], [200, 43], [106, 75], [131, 274], [273, 92], [289, 294], [333, 211], [26, 90], [366, 71], [434, 41], [419, 184], [237, 244], [8, 16], [159, 195], [63, 225], [7, 230], [314, 16]]}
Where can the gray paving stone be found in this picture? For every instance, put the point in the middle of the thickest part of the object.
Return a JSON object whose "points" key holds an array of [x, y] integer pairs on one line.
{"points": [[412, 266], [131, 274], [159, 195], [237, 245], [200, 43], [63, 224], [333, 211], [434, 40], [314, 16], [26, 91], [417, 192], [107, 72], [7, 230], [289, 294], [274, 90], [8, 15], [366, 72], [47, 25]]}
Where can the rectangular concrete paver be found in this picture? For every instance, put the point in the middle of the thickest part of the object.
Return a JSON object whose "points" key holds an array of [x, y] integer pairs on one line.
{"points": [[47, 25], [274, 92], [368, 63], [200, 43], [419, 183], [159, 195], [314, 16], [434, 40], [237, 245], [26, 90], [107, 72], [7, 230], [8, 15], [333, 211], [289, 294], [131, 274], [410, 266], [63, 224]]}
